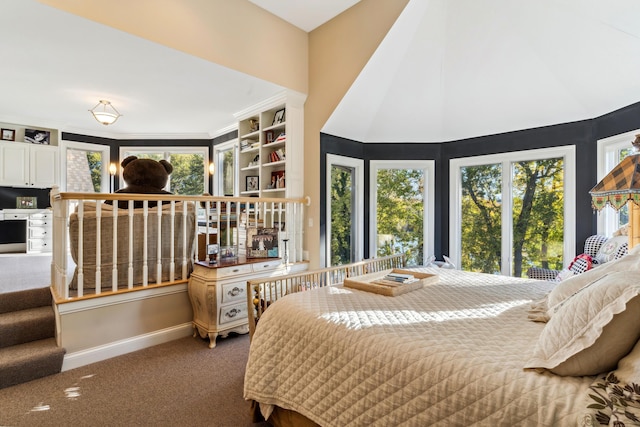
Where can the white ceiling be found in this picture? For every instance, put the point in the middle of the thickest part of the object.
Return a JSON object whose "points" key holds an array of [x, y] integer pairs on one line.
{"points": [[453, 69], [448, 69]]}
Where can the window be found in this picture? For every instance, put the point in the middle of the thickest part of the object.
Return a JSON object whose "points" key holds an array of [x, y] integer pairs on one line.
{"points": [[402, 209], [610, 152], [513, 211], [86, 167], [345, 203], [225, 180], [188, 176]]}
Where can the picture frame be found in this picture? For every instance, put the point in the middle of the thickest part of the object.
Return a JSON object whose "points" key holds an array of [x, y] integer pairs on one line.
{"points": [[228, 252], [8, 134], [262, 242], [253, 183], [269, 136], [278, 117], [37, 136], [277, 180], [26, 202]]}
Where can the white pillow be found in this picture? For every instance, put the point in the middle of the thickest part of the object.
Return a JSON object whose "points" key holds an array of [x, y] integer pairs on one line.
{"points": [[609, 249], [591, 330], [541, 311]]}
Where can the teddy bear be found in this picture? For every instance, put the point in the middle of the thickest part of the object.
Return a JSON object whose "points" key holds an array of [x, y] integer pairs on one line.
{"points": [[144, 176]]}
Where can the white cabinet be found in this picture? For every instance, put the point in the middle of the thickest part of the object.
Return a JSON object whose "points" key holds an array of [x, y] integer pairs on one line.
{"points": [[28, 165], [271, 138], [39, 232]]}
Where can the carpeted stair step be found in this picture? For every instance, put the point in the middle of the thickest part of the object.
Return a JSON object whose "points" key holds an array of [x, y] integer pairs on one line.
{"points": [[22, 300], [32, 324], [29, 361]]}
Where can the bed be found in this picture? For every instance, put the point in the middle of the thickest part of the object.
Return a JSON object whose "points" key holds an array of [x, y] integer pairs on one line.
{"points": [[453, 353]]}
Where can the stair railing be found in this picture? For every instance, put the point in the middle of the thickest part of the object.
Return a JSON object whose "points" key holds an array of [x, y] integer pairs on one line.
{"points": [[155, 246]]}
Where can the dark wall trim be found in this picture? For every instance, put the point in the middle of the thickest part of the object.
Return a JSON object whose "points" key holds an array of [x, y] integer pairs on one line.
{"points": [[115, 144], [583, 134]]}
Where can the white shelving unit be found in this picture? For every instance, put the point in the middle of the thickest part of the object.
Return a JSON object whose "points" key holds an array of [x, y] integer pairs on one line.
{"points": [[272, 147]]}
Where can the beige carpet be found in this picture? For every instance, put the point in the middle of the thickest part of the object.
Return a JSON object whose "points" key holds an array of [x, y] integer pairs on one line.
{"points": [[19, 272], [181, 383]]}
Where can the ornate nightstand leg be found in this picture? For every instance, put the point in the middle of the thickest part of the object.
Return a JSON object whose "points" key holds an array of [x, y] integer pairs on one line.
{"points": [[212, 339]]}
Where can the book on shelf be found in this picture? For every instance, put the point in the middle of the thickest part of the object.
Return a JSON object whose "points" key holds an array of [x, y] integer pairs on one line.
{"points": [[281, 138]]}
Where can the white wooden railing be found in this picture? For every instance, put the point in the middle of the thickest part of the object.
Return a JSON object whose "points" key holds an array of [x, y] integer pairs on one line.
{"points": [[156, 247], [263, 292]]}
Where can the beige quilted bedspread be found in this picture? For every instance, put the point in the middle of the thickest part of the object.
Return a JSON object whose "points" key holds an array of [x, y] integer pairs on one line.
{"points": [[451, 354]]}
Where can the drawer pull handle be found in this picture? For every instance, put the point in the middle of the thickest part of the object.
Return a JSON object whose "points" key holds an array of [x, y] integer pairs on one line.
{"points": [[232, 313], [235, 271], [234, 292]]}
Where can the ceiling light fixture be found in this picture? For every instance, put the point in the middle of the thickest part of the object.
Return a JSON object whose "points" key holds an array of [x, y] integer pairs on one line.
{"points": [[105, 113]]}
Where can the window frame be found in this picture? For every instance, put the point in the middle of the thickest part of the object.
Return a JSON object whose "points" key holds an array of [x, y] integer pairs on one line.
{"points": [[428, 168], [568, 153], [167, 151], [105, 151], [218, 162], [358, 215]]}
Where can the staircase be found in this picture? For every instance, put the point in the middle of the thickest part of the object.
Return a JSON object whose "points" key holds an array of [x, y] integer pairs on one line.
{"points": [[28, 348]]}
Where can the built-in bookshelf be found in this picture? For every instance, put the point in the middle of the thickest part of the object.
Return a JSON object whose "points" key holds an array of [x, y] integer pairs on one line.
{"points": [[271, 149]]}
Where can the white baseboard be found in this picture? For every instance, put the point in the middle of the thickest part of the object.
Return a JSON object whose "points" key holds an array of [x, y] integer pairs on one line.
{"points": [[118, 348]]}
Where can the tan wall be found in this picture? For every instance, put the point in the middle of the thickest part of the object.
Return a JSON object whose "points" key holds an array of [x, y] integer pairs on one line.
{"points": [[338, 51], [241, 36], [234, 33]]}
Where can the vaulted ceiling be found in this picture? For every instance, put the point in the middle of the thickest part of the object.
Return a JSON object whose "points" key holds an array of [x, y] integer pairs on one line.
{"points": [[448, 69]]}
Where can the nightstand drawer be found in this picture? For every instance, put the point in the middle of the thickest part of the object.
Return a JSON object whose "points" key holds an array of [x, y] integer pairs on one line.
{"points": [[234, 270], [266, 265], [233, 313], [234, 292]]}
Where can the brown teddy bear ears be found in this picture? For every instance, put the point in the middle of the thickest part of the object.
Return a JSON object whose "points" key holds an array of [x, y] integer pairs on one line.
{"points": [[127, 160], [167, 166]]}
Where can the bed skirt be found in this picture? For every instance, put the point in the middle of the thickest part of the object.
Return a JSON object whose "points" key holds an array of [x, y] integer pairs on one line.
{"points": [[281, 417]]}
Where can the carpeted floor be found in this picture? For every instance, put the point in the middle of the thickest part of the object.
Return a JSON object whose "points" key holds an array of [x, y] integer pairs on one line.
{"points": [[24, 272], [180, 383]]}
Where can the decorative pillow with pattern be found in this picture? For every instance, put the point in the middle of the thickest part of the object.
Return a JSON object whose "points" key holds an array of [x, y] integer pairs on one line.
{"points": [[612, 249]]}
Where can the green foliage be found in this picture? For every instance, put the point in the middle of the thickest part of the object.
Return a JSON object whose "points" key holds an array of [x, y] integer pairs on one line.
{"points": [[400, 213], [187, 177], [481, 218], [341, 221], [537, 217], [95, 169]]}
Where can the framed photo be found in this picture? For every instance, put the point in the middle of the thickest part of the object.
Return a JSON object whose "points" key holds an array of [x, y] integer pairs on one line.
{"points": [[278, 117], [268, 137], [262, 242], [277, 180], [253, 183], [228, 252], [8, 135], [36, 136], [26, 202]]}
